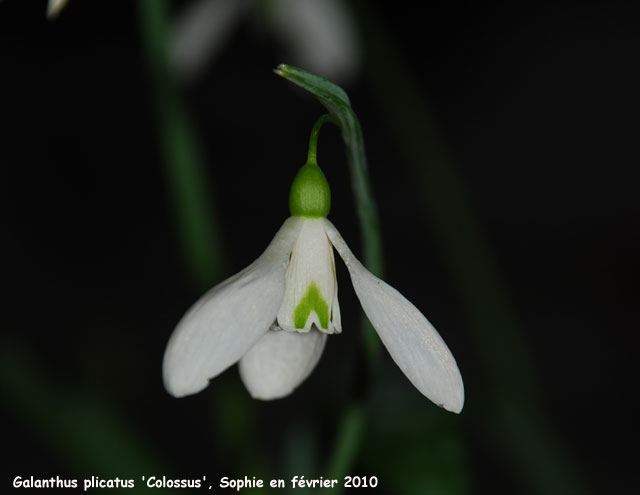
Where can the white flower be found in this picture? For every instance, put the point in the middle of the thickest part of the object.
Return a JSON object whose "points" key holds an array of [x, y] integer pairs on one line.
{"points": [[274, 317]]}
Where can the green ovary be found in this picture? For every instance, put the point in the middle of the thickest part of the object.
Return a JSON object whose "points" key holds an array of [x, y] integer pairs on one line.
{"points": [[311, 301]]}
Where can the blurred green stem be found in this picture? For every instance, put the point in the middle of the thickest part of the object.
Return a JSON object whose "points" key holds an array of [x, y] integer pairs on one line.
{"points": [[348, 442], [515, 393], [185, 171]]}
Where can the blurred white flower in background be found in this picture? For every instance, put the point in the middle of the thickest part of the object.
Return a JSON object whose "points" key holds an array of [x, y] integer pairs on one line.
{"points": [[54, 8], [319, 35]]}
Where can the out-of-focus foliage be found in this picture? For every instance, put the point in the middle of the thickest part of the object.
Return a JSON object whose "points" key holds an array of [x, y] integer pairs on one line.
{"points": [[84, 408]]}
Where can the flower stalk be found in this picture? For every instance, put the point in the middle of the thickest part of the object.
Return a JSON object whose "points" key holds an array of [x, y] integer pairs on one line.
{"points": [[312, 156]]}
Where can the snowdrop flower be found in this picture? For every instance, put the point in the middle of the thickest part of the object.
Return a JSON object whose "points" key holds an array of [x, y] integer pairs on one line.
{"points": [[275, 315]]}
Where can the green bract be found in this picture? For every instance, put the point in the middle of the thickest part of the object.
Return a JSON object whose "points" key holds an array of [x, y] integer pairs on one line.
{"points": [[310, 195]]}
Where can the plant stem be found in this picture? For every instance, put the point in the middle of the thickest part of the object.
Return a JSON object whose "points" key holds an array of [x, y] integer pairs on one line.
{"points": [[313, 139], [185, 170]]}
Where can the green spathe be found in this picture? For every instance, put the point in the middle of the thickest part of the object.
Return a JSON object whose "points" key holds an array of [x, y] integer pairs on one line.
{"points": [[310, 196], [311, 301]]}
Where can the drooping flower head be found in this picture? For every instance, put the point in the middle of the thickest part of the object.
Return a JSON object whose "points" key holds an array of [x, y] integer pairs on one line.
{"points": [[275, 315]]}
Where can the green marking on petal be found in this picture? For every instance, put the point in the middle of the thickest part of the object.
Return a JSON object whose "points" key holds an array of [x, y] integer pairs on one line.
{"points": [[311, 301]]}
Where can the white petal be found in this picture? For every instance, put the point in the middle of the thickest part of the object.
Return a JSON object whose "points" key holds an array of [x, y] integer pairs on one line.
{"points": [[279, 362], [54, 7], [224, 323], [335, 312], [310, 281], [320, 34], [413, 343], [200, 32]]}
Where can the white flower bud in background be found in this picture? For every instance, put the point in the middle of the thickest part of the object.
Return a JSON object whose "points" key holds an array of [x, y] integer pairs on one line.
{"points": [[317, 34]]}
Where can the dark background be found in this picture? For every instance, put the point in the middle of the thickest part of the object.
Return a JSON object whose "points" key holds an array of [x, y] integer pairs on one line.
{"points": [[537, 109]]}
